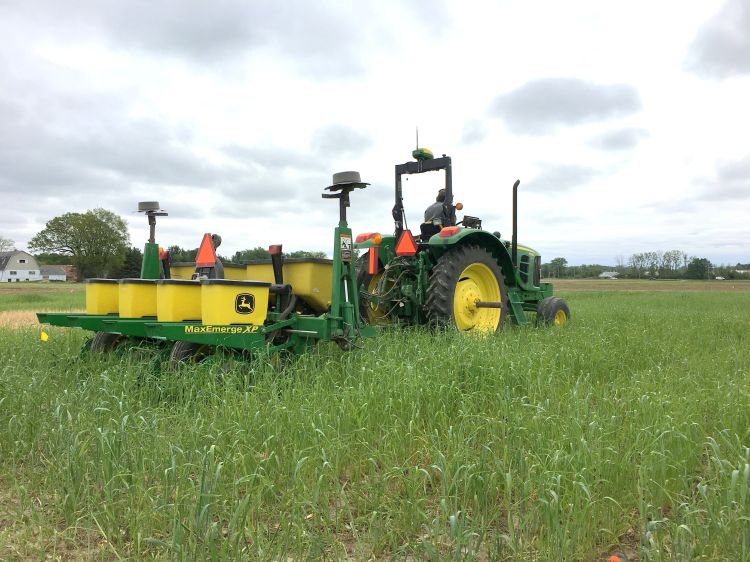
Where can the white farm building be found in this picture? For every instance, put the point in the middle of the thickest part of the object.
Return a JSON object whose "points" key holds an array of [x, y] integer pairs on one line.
{"points": [[54, 273], [18, 266]]}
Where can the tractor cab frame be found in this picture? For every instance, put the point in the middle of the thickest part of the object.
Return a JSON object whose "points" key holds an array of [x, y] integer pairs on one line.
{"points": [[419, 167]]}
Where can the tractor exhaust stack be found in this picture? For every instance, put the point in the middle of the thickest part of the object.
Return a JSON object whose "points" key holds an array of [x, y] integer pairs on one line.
{"points": [[514, 243], [277, 263]]}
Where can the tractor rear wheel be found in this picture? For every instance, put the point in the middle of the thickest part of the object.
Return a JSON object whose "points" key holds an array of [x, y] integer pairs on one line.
{"points": [[463, 277], [552, 311]]}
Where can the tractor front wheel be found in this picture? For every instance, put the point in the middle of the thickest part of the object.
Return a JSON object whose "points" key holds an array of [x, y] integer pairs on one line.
{"points": [[552, 311], [464, 278]]}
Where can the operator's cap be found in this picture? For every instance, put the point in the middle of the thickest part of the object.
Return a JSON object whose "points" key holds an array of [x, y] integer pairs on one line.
{"points": [[342, 179]]}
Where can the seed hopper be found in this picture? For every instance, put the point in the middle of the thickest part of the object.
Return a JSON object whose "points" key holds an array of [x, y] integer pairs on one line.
{"points": [[264, 307]]}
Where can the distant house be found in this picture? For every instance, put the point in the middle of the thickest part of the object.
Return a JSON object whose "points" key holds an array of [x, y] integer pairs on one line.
{"points": [[54, 273], [608, 275], [18, 266]]}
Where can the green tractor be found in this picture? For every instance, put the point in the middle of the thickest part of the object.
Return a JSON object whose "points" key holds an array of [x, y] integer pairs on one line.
{"points": [[452, 273]]}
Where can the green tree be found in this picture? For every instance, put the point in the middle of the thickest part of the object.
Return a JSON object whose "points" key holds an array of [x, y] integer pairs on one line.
{"points": [[96, 241], [652, 263], [558, 267], [257, 253], [306, 254], [588, 270], [49, 258], [672, 261], [698, 268], [177, 254], [637, 263], [6, 244], [131, 267]]}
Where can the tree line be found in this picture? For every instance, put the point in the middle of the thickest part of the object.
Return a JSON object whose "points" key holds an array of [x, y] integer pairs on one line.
{"points": [[178, 254], [672, 264], [97, 244]]}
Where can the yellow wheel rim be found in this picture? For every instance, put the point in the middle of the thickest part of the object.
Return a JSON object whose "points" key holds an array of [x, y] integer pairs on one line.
{"points": [[560, 318], [476, 283], [376, 315]]}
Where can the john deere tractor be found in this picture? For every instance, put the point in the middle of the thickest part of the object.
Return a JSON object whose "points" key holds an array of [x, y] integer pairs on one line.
{"points": [[451, 273]]}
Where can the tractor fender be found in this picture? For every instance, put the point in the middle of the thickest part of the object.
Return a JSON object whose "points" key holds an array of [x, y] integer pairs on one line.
{"points": [[388, 241], [386, 247], [483, 239]]}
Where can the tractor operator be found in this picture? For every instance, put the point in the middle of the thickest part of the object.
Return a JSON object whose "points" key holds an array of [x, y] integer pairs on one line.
{"points": [[435, 217], [435, 213]]}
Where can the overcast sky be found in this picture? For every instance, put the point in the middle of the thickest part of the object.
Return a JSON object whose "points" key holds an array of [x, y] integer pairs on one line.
{"points": [[627, 122]]}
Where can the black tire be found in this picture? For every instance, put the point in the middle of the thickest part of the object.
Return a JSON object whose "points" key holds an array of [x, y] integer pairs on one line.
{"points": [[363, 282], [86, 347], [541, 307], [345, 345], [364, 279], [186, 352], [105, 342], [445, 281], [550, 312]]}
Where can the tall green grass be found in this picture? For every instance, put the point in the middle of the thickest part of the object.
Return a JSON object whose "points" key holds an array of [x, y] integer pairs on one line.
{"points": [[626, 431], [40, 297]]}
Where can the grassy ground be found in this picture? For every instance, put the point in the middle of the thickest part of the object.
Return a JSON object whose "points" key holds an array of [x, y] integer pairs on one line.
{"points": [[626, 431], [41, 296], [669, 285], [20, 301]]}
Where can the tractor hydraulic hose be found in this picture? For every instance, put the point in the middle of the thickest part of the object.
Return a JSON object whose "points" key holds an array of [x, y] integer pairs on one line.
{"points": [[270, 336], [289, 307]]}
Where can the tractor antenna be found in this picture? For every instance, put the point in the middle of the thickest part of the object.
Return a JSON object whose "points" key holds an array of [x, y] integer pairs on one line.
{"points": [[417, 137], [151, 210]]}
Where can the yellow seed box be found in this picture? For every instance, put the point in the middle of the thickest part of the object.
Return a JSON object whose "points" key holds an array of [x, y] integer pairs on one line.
{"points": [[102, 296], [137, 298], [310, 278], [178, 300], [225, 301]]}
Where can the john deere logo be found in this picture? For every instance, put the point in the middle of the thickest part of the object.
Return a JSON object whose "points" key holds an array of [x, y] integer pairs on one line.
{"points": [[244, 303]]}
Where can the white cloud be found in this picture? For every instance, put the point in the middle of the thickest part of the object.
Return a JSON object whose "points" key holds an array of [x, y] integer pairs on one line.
{"points": [[234, 116], [721, 48], [620, 139], [542, 105]]}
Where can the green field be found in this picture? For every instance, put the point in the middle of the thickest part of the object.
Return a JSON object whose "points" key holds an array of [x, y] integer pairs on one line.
{"points": [[41, 296], [626, 431]]}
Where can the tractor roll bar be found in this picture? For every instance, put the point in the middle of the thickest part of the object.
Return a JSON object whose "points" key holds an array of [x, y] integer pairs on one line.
{"points": [[419, 167]]}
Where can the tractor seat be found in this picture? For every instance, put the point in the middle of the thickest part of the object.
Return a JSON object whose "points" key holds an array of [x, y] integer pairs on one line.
{"points": [[428, 230]]}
